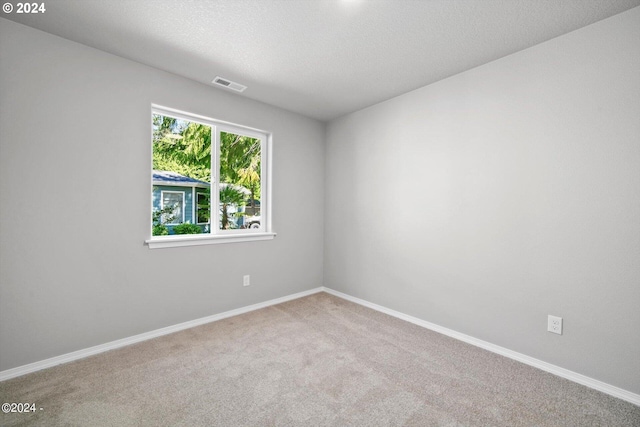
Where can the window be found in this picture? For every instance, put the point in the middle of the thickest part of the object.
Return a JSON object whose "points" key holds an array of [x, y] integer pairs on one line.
{"points": [[172, 207], [202, 208], [210, 181]]}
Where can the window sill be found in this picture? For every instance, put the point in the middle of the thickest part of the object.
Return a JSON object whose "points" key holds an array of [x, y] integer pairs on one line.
{"points": [[199, 239]]}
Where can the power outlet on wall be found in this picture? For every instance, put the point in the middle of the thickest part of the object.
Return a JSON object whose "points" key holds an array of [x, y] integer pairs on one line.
{"points": [[246, 280], [554, 324]]}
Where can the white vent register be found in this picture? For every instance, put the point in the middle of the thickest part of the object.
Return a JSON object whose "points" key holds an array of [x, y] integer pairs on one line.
{"points": [[229, 84]]}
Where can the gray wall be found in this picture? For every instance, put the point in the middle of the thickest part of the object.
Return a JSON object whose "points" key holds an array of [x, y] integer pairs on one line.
{"points": [[75, 161], [487, 201]]}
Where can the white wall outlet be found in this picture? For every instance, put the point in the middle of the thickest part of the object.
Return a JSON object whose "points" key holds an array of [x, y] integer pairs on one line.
{"points": [[246, 280], [554, 324]]}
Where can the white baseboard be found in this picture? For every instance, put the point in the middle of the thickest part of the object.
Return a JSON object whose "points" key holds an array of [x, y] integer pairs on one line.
{"points": [[553, 369], [69, 357]]}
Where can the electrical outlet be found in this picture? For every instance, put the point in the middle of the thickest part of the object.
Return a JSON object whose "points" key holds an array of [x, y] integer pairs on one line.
{"points": [[246, 280], [554, 324]]}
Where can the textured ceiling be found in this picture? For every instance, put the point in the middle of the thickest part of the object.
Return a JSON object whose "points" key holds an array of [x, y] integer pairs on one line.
{"points": [[322, 58]]}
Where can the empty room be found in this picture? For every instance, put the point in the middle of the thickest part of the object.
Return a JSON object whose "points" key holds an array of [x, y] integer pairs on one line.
{"points": [[320, 213]]}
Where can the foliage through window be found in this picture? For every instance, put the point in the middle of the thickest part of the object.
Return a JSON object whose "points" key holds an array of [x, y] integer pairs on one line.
{"points": [[208, 176]]}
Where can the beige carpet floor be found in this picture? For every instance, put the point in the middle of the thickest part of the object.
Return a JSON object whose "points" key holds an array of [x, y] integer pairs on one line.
{"points": [[315, 361]]}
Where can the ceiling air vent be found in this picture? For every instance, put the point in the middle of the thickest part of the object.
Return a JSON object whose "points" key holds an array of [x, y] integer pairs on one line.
{"points": [[229, 84]]}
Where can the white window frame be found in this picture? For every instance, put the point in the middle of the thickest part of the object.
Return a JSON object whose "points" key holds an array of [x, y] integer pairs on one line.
{"points": [[215, 235], [181, 193]]}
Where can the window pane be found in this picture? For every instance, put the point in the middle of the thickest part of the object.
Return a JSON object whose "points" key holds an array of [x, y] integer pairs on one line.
{"points": [[181, 175], [240, 181], [203, 207]]}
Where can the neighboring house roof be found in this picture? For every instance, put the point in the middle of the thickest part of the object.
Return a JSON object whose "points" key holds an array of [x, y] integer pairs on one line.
{"points": [[172, 178], [175, 179]]}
